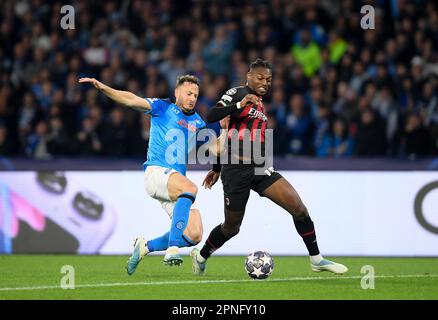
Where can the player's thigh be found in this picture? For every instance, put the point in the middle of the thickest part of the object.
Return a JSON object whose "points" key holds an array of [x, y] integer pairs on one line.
{"points": [[155, 182], [284, 194], [178, 184], [234, 209], [194, 226], [236, 181]]}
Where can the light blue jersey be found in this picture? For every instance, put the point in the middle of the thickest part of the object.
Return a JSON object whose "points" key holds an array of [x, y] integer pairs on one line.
{"points": [[172, 135]]}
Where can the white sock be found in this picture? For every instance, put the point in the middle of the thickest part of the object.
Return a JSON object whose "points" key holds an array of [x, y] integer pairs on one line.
{"points": [[200, 258], [316, 259], [147, 248], [173, 250]]}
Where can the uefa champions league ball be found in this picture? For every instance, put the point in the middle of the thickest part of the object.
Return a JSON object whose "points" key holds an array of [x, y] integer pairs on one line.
{"points": [[259, 265]]}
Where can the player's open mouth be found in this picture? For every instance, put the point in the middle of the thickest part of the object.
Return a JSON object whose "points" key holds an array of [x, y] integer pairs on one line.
{"points": [[263, 89]]}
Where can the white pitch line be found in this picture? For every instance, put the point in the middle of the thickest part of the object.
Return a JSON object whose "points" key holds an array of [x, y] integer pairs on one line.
{"points": [[158, 283]]}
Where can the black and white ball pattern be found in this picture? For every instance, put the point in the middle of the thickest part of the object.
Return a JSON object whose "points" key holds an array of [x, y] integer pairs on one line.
{"points": [[259, 265]]}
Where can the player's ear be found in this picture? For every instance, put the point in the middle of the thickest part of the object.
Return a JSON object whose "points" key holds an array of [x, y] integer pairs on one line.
{"points": [[248, 76]]}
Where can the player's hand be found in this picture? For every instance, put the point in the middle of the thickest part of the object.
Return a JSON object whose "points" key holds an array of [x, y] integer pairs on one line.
{"points": [[210, 179], [249, 99], [99, 85], [225, 122]]}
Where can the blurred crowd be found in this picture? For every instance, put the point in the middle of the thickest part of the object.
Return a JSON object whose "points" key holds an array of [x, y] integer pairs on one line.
{"points": [[338, 90]]}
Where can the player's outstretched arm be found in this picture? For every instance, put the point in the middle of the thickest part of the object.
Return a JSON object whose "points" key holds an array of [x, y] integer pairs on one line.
{"points": [[123, 97]]}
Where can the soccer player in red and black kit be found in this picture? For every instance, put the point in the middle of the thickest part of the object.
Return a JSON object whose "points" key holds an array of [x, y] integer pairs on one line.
{"points": [[246, 112]]}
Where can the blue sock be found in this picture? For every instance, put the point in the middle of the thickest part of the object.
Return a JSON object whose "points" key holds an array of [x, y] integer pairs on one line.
{"points": [[159, 244], [180, 217], [162, 243]]}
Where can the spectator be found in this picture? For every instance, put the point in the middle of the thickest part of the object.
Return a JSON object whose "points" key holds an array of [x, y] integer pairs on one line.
{"points": [[37, 143], [307, 53], [6, 147], [57, 140], [338, 143], [298, 127], [87, 140], [318, 51], [415, 138], [370, 136], [115, 136]]}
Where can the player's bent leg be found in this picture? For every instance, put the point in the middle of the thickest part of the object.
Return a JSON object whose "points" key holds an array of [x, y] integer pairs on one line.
{"points": [[193, 232], [178, 184], [140, 250], [183, 191], [283, 193], [217, 238]]}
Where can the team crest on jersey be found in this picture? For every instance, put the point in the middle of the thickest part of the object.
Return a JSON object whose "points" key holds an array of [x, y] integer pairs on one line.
{"points": [[231, 91]]}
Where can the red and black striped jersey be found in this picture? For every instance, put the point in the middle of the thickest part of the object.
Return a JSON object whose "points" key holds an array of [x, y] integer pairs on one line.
{"points": [[251, 118], [247, 124]]}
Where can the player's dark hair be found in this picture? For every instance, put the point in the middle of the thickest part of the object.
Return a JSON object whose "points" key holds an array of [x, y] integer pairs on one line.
{"points": [[260, 63], [187, 78]]}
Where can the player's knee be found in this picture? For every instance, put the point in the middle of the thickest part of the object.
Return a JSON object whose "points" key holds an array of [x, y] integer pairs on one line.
{"points": [[191, 188], [301, 212], [194, 229], [196, 236]]}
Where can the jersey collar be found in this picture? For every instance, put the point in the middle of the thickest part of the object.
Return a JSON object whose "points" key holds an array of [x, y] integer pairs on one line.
{"points": [[187, 113]]}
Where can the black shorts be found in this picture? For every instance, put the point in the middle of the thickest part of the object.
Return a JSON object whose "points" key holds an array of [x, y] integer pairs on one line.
{"points": [[239, 179]]}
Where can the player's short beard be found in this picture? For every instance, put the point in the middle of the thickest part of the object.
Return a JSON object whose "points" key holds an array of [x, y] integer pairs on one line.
{"points": [[180, 105]]}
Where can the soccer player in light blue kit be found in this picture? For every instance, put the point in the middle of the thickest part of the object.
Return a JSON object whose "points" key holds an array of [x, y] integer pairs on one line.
{"points": [[165, 173]]}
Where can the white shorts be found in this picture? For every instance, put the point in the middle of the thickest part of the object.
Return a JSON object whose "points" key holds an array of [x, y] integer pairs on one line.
{"points": [[155, 183]]}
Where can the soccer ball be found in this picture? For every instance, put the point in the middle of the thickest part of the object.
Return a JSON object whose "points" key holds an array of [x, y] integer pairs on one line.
{"points": [[259, 265]]}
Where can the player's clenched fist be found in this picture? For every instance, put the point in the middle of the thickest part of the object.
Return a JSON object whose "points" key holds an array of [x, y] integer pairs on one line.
{"points": [[99, 85], [249, 99]]}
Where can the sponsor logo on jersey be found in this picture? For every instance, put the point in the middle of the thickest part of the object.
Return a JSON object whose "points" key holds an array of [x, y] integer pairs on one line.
{"points": [[175, 110], [254, 113], [183, 123]]}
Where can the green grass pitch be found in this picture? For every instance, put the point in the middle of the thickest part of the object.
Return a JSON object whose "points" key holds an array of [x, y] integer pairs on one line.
{"points": [[104, 277]]}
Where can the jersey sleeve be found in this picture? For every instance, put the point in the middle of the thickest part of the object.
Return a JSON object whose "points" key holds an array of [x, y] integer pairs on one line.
{"points": [[232, 96], [158, 106], [227, 105]]}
